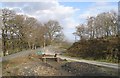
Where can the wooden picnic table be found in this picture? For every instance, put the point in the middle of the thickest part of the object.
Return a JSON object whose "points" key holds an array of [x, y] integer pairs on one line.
{"points": [[50, 57], [44, 56]]}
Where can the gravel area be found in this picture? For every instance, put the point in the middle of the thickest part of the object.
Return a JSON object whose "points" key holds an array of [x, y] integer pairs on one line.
{"points": [[33, 66], [38, 69], [84, 69]]}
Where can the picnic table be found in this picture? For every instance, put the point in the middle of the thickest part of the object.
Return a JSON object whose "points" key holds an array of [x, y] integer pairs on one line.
{"points": [[44, 56], [50, 57]]}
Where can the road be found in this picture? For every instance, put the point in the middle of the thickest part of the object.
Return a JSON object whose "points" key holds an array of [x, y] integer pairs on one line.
{"points": [[110, 65], [19, 54], [52, 50], [26, 53]]}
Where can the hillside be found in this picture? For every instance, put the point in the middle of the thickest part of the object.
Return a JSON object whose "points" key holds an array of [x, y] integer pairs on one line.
{"points": [[97, 49]]}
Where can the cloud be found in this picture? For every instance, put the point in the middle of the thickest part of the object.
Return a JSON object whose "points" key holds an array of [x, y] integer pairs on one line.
{"points": [[45, 11], [68, 34], [88, 0], [97, 8], [60, 0], [57, 12]]}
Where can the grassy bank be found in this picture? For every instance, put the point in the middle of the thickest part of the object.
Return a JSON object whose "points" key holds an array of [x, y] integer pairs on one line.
{"points": [[102, 49], [91, 59]]}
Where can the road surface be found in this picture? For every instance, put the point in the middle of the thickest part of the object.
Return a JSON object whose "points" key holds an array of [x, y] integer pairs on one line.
{"points": [[110, 65], [19, 54]]}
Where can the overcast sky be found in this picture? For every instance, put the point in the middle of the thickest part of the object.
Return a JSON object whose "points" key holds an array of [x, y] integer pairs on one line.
{"points": [[69, 14]]}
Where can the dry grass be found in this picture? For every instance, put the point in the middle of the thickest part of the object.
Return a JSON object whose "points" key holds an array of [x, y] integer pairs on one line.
{"points": [[17, 61], [8, 66]]}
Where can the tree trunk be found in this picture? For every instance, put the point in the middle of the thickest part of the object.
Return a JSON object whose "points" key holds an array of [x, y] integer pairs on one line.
{"points": [[33, 47], [29, 45], [3, 42]]}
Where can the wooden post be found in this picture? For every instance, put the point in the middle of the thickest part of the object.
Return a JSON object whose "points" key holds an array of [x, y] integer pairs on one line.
{"points": [[44, 60], [58, 59], [55, 55]]}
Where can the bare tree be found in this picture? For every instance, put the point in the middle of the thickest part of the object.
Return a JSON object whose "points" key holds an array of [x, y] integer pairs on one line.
{"points": [[29, 31], [7, 17], [20, 32], [80, 30], [104, 24], [91, 27], [53, 29]]}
